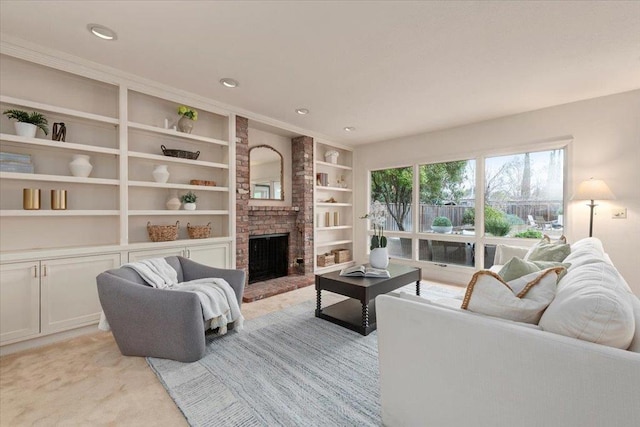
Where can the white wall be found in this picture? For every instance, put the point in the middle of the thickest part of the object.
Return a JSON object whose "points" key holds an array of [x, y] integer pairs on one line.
{"points": [[283, 145], [606, 145]]}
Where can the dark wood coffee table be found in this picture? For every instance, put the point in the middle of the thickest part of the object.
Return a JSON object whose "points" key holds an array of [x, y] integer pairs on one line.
{"points": [[358, 313]]}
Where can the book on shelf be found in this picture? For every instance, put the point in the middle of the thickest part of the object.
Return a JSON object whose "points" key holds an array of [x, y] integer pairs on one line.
{"points": [[14, 157], [364, 271], [6, 166]]}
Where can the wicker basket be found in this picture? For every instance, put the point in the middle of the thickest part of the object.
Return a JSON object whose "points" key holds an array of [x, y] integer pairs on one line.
{"points": [[163, 233], [199, 231], [179, 153], [342, 255], [325, 260]]}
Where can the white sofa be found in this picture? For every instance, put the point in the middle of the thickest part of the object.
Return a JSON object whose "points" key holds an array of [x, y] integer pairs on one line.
{"points": [[443, 366]]}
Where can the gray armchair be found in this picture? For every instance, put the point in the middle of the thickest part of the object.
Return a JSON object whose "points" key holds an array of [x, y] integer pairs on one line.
{"points": [[146, 321]]}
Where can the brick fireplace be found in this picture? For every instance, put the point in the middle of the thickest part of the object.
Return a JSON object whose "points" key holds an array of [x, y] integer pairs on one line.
{"points": [[295, 220]]}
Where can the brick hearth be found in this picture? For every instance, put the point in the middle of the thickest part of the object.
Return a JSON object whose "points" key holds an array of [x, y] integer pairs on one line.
{"points": [[272, 287]]}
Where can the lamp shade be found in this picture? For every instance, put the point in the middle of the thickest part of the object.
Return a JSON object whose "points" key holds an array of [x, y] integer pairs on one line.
{"points": [[593, 189]]}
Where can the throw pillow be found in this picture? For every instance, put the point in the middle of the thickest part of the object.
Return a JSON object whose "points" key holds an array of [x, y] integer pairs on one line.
{"points": [[505, 252], [546, 250], [518, 267], [522, 300], [592, 304]]}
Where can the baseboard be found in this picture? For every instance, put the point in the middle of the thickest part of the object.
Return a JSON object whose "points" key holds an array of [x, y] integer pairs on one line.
{"points": [[46, 340]]}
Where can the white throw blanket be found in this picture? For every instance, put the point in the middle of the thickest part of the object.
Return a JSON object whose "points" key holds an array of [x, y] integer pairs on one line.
{"points": [[217, 298]]}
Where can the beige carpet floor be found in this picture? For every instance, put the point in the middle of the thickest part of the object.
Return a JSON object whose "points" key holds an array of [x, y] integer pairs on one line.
{"points": [[85, 381]]}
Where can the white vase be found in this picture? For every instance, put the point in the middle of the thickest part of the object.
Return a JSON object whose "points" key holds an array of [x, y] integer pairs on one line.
{"points": [[379, 258], [189, 206], [25, 129], [161, 173], [80, 166], [185, 124]]}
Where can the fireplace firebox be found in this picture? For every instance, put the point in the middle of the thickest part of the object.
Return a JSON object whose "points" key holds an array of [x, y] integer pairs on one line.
{"points": [[268, 256]]}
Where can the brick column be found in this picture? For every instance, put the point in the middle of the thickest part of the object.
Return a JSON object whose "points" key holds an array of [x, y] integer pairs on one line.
{"points": [[302, 194], [242, 200]]}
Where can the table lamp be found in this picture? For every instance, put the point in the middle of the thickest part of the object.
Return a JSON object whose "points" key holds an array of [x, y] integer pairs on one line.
{"points": [[592, 189]]}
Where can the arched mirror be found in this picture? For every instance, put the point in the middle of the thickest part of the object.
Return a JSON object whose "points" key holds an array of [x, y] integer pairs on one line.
{"points": [[265, 173]]}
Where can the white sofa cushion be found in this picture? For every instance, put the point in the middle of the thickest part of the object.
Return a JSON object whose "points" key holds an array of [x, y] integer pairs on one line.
{"points": [[522, 300], [547, 250], [505, 252], [592, 304], [635, 342]]}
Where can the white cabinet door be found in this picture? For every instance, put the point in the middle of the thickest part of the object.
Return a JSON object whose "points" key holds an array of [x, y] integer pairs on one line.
{"points": [[19, 301], [69, 291], [156, 253], [213, 256]]}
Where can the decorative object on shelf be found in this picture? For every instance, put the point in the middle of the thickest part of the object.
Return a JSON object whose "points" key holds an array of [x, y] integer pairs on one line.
{"points": [[441, 224], [173, 202], [325, 260], [341, 255], [189, 201], [327, 219], [80, 165], [331, 156], [189, 115], [182, 154], [199, 231], [14, 162], [27, 124], [163, 233], [379, 256], [322, 179], [161, 173], [59, 200], [202, 182], [331, 200], [336, 219], [31, 199], [59, 132], [342, 183]]}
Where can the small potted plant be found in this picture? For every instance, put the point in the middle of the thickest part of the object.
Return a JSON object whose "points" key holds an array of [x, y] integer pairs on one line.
{"points": [[189, 201], [441, 224], [27, 124], [189, 115]]}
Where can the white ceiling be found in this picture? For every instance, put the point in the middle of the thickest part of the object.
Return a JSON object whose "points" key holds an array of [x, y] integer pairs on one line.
{"points": [[387, 68]]}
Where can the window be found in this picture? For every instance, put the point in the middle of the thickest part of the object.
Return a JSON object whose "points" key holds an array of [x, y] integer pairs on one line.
{"points": [[394, 189], [522, 195]]}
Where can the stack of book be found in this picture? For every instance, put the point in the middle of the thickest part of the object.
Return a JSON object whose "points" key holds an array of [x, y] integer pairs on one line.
{"points": [[12, 162]]}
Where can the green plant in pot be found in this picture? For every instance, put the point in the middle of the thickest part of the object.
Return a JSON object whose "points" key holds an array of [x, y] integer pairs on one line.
{"points": [[189, 201], [441, 224], [27, 124], [379, 255]]}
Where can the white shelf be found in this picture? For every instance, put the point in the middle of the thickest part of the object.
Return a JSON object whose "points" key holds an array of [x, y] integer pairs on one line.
{"points": [[168, 212], [57, 144], [68, 212], [57, 178], [333, 243], [337, 227], [55, 109], [175, 133], [177, 186], [326, 188], [333, 165], [169, 159], [325, 204]]}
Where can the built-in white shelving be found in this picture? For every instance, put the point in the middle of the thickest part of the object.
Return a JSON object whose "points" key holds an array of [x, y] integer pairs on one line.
{"points": [[333, 225], [57, 178], [42, 107]]}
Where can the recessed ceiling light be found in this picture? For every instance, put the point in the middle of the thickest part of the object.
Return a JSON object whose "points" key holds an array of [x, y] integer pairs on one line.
{"points": [[227, 82], [302, 111], [102, 32], [349, 129]]}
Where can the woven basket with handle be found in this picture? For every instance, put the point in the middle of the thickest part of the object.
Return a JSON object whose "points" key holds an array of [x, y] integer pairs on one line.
{"points": [[163, 233], [199, 231]]}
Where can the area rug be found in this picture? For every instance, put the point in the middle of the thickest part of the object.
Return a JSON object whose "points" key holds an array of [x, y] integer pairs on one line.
{"points": [[287, 368]]}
